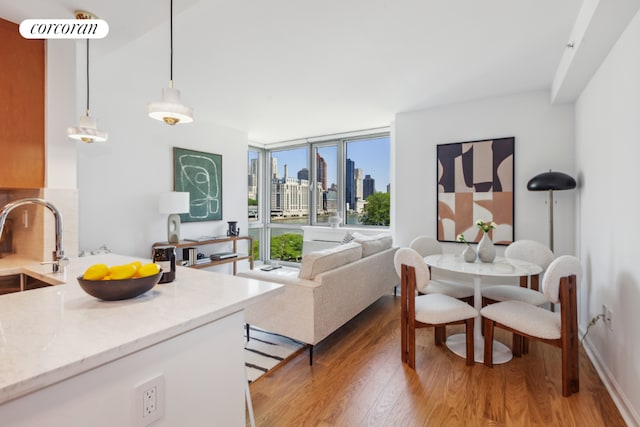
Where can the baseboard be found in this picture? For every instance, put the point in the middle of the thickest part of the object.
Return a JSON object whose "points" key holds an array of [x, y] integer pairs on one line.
{"points": [[627, 411]]}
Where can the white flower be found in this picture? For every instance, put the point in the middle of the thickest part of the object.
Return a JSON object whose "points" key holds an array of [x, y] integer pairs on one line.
{"points": [[485, 226]]}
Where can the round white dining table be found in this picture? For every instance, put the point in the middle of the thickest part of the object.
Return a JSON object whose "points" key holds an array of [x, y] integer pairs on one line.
{"points": [[500, 267]]}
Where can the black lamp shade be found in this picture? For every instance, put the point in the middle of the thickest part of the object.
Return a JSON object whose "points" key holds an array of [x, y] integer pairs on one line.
{"points": [[551, 181]]}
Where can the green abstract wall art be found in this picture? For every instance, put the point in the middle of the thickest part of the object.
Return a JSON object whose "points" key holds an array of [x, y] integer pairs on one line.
{"points": [[199, 174]]}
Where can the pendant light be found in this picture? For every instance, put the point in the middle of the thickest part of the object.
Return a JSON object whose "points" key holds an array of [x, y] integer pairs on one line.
{"points": [[87, 130], [170, 110]]}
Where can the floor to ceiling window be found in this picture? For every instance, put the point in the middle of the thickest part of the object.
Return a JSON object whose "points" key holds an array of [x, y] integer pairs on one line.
{"points": [[254, 189], [289, 202], [367, 182], [326, 188], [305, 183]]}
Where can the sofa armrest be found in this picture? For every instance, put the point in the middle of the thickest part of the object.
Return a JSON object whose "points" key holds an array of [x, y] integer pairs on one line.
{"points": [[290, 312]]}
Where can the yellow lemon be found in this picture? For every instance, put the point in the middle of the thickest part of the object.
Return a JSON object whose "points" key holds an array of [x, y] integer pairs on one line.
{"points": [[120, 272], [137, 265], [149, 270], [96, 272]]}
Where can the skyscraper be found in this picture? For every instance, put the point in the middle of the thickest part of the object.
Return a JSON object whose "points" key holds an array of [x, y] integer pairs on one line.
{"points": [[358, 177], [350, 190], [253, 179], [321, 167], [368, 186], [303, 174]]}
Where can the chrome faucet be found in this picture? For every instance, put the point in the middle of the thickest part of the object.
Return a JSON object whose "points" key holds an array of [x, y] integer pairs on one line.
{"points": [[59, 260]]}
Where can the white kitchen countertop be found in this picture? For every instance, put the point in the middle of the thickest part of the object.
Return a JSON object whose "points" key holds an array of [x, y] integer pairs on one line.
{"points": [[53, 333]]}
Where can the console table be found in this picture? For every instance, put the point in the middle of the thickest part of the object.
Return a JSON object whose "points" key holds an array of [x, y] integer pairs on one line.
{"points": [[214, 241]]}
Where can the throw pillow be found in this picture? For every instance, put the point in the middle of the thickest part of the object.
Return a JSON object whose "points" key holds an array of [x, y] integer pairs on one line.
{"points": [[373, 244]]}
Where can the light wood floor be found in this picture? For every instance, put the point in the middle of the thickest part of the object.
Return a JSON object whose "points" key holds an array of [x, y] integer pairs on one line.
{"points": [[357, 379]]}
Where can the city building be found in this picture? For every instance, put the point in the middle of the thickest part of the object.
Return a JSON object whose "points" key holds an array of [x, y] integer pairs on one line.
{"points": [[369, 186]]}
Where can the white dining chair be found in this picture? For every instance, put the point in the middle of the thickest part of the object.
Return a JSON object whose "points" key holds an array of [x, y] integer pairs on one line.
{"points": [[431, 310], [524, 320], [427, 245], [525, 250], [528, 291]]}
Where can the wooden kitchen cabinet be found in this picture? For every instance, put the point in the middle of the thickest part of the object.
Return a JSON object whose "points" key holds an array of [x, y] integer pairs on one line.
{"points": [[22, 149]]}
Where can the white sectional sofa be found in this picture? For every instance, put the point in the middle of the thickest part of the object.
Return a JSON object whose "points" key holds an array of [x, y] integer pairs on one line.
{"points": [[330, 288]]}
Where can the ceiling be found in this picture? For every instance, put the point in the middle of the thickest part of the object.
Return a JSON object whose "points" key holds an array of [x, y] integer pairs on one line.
{"points": [[289, 69]]}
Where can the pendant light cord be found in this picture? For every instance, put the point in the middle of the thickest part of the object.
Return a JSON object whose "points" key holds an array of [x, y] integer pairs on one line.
{"points": [[171, 41], [87, 77]]}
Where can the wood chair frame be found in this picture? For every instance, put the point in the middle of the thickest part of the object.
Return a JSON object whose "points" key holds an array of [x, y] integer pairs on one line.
{"points": [[568, 340], [524, 283], [409, 324]]}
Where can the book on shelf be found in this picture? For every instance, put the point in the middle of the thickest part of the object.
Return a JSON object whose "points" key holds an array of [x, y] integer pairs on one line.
{"points": [[223, 255]]}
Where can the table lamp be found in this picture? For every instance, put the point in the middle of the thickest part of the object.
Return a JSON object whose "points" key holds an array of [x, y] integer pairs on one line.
{"points": [[551, 181], [173, 203]]}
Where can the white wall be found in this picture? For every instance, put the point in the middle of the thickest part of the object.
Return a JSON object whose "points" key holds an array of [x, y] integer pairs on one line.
{"points": [[60, 81], [119, 181], [607, 152], [544, 140]]}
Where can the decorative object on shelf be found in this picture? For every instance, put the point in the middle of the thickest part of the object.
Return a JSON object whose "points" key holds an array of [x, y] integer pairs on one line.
{"points": [[468, 254], [190, 255], [223, 255], [233, 230], [486, 249], [170, 109], [87, 129], [165, 257], [173, 203], [551, 181], [475, 178], [199, 174], [334, 220]]}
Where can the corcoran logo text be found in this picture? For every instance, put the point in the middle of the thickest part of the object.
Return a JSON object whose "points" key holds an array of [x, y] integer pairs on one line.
{"points": [[64, 28]]}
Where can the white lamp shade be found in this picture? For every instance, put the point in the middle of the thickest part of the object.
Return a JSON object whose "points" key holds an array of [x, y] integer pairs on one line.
{"points": [[87, 131], [170, 110], [174, 202]]}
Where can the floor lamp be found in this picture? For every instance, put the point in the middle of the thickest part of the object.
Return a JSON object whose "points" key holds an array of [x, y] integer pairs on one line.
{"points": [[551, 181]]}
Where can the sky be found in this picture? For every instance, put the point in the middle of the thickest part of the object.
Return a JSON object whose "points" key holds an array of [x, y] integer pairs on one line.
{"points": [[372, 156]]}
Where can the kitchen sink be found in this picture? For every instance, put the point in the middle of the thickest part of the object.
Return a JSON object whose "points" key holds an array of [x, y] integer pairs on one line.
{"points": [[20, 282]]}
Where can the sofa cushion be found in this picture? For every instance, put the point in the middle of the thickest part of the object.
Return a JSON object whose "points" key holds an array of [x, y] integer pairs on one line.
{"points": [[373, 244], [318, 262]]}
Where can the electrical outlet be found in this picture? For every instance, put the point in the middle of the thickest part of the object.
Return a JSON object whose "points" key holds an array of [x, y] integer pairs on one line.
{"points": [[149, 401], [608, 316]]}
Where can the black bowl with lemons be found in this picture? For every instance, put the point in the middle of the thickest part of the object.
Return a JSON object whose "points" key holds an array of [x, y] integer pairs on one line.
{"points": [[119, 282]]}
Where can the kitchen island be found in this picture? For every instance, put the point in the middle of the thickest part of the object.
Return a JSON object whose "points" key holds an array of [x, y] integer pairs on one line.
{"points": [[67, 358]]}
